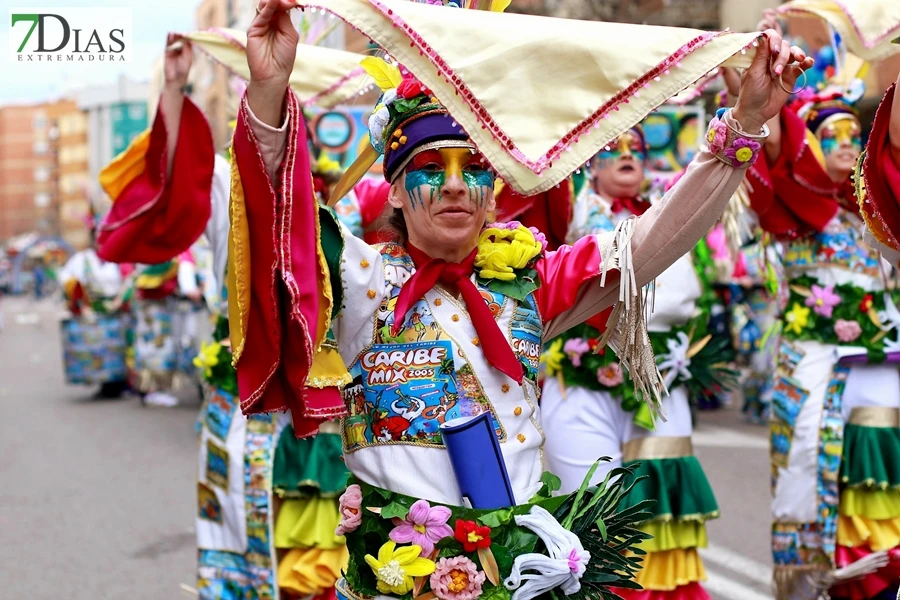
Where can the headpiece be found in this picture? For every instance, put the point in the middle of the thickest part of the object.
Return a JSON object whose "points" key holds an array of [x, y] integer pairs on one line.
{"points": [[407, 119]]}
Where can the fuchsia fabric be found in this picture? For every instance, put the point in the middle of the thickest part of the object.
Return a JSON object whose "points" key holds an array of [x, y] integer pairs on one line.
{"points": [[284, 307], [154, 218], [794, 195]]}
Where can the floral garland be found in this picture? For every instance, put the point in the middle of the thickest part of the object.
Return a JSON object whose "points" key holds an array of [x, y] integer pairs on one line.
{"points": [[686, 356], [504, 262], [842, 315], [456, 553]]}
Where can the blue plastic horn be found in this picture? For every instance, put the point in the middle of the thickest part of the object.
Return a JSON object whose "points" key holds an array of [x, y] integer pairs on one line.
{"points": [[477, 461]]}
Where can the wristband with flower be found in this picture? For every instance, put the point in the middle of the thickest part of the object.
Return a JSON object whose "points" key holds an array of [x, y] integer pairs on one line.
{"points": [[505, 259], [733, 147]]}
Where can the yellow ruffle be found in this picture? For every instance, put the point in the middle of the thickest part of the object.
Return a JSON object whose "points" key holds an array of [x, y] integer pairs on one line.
{"points": [[874, 504], [151, 282], [665, 571], [308, 523], [671, 535], [873, 534], [311, 571], [125, 167]]}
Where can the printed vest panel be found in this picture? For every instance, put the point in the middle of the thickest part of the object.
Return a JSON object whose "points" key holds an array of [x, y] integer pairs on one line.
{"points": [[840, 245], [406, 386]]}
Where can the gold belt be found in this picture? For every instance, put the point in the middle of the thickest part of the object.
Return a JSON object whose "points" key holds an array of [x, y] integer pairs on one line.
{"points": [[650, 448], [875, 416]]}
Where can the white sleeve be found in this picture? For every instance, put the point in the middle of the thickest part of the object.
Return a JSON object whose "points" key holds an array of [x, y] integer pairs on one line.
{"points": [[218, 225], [187, 277]]}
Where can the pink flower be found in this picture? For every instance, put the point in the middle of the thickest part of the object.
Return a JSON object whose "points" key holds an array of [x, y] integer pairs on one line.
{"points": [[349, 506], [742, 151], [611, 375], [456, 578], [823, 300], [716, 136], [424, 526], [847, 331], [575, 349], [540, 237]]}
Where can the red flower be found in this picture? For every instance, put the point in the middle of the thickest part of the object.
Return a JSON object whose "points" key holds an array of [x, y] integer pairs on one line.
{"points": [[411, 87], [866, 304], [471, 535]]}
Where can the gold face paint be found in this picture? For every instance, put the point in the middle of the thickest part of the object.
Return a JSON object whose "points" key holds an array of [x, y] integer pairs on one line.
{"points": [[842, 131]]}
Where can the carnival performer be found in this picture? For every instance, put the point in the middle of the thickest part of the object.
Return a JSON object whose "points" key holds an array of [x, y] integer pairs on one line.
{"points": [[589, 405], [267, 501], [96, 336], [834, 432], [425, 339]]}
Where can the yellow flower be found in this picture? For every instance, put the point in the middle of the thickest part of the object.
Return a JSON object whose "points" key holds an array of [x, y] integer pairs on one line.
{"points": [[396, 567], [552, 357], [207, 358], [326, 164], [502, 251], [744, 154], [797, 318]]}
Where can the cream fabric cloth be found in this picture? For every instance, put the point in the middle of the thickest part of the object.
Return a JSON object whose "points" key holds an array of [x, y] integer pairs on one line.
{"points": [[867, 26], [538, 78], [322, 77]]}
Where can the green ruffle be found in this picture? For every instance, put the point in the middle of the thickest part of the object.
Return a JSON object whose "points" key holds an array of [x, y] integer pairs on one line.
{"points": [[309, 466], [679, 487], [870, 457]]}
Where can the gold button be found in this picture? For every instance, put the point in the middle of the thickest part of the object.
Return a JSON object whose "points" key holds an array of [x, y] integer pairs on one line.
{"points": [[521, 438], [371, 294], [364, 264], [438, 301], [455, 318], [518, 411], [505, 388], [475, 341]]}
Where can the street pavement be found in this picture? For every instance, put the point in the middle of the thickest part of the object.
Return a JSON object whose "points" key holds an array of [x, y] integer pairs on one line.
{"points": [[97, 498]]}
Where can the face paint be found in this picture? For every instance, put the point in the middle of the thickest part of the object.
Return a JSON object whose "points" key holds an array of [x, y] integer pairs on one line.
{"points": [[843, 132], [627, 144], [433, 167]]}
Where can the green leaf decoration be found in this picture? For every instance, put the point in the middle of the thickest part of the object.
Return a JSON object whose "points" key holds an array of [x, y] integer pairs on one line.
{"points": [[497, 518], [402, 105], [526, 282], [394, 510], [496, 593]]}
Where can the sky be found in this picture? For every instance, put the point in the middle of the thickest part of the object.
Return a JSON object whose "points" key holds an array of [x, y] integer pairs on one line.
{"points": [[37, 82]]}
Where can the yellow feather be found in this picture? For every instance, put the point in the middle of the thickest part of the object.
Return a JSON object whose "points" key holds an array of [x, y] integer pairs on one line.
{"points": [[499, 5], [385, 76]]}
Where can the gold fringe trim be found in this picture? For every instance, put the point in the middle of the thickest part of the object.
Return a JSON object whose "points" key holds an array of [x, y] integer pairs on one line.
{"points": [[626, 330], [875, 416], [655, 448]]}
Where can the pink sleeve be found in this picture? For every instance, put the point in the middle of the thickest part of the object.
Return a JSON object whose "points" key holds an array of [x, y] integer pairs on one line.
{"points": [[372, 195]]}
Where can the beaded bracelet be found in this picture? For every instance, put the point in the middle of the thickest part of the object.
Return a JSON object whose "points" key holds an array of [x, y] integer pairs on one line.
{"points": [[732, 146]]}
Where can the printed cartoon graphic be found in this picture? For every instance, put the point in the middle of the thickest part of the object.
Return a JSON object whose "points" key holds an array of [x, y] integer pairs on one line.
{"points": [[402, 393], [208, 506], [216, 465], [527, 330]]}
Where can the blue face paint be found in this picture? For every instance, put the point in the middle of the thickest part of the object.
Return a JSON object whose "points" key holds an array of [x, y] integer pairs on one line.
{"points": [[831, 145], [479, 181], [416, 180]]}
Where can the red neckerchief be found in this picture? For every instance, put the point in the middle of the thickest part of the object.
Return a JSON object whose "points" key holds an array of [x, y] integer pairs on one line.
{"points": [[429, 271], [636, 205]]}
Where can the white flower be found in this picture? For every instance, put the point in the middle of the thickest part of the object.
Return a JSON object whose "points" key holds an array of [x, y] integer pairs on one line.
{"points": [[377, 122], [676, 362]]}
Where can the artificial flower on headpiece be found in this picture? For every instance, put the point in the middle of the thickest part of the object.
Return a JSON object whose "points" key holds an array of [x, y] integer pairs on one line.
{"points": [[406, 117]]}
